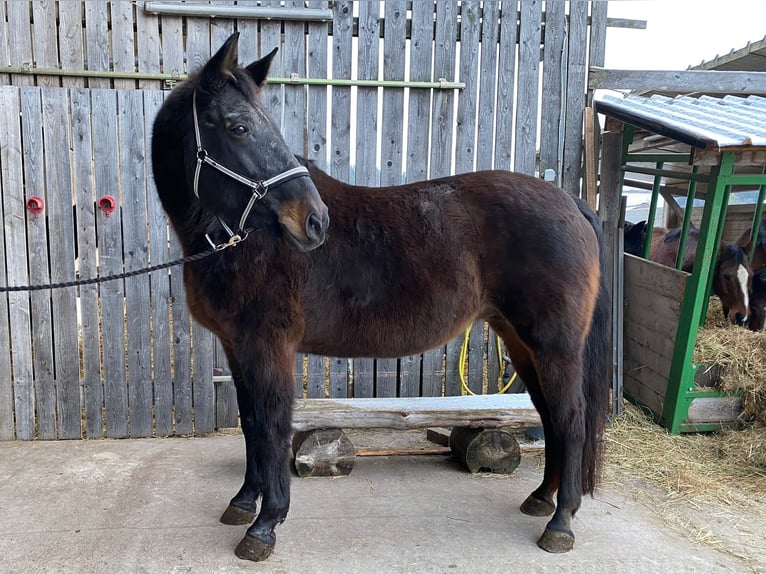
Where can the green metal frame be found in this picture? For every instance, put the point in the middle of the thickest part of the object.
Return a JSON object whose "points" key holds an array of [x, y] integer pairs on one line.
{"points": [[681, 389]]}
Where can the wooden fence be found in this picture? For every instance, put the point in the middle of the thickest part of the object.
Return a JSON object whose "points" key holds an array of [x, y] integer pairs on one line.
{"points": [[80, 84]]}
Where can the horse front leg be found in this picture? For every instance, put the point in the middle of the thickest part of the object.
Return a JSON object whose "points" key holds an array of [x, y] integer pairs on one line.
{"points": [[270, 389], [243, 507]]}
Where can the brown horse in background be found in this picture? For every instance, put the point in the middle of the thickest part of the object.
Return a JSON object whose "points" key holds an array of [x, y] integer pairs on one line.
{"points": [[758, 292], [393, 272], [759, 257], [731, 275]]}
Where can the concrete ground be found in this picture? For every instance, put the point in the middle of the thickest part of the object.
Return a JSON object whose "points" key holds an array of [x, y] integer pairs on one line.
{"points": [[152, 505]]}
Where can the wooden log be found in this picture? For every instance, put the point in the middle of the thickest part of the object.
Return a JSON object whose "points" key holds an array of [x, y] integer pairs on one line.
{"points": [[323, 452], [485, 450]]}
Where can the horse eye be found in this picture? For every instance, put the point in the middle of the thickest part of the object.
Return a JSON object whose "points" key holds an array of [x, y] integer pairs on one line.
{"points": [[239, 130]]}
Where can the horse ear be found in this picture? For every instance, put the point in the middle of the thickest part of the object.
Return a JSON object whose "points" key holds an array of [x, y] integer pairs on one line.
{"points": [[220, 68], [260, 68], [746, 245]]}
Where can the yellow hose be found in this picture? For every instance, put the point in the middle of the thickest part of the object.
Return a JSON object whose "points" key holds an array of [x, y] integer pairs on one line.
{"points": [[464, 390]]}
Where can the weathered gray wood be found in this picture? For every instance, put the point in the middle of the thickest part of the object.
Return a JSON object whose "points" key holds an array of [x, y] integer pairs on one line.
{"points": [[707, 81], [124, 41], [109, 231], [635, 378], [465, 151], [249, 47], [226, 410], [316, 125], [202, 382], [442, 108], [363, 378], [575, 96], [20, 39], [16, 377], [44, 399], [58, 181], [85, 203], [71, 41], [490, 14], [530, 27], [171, 45], [598, 25], [96, 33], [5, 57], [368, 49], [505, 86], [160, 302], [294, 115], [323, 452], [271, 37], [485, 450], [553, 88], [198, 48], [419, 110], [490, 411], [316, 377], [715, 410], [339, 378], [135, 256], [391, 166], [340, 118], [44, 35]]}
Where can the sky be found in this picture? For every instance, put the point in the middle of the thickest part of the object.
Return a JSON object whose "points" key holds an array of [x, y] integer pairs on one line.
{"points": [[681, 33]]}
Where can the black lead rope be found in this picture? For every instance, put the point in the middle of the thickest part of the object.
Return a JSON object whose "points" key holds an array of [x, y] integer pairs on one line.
{"points": [[104, 279]]}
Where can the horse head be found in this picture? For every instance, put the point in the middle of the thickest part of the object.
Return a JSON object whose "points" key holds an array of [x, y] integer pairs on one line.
{"points": [[215, 148], [634, 237], [731, 282], [758, 301]]}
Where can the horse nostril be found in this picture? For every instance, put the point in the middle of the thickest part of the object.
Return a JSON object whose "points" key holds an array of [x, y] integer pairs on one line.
{"points": [[314, 227], [740, 318]]}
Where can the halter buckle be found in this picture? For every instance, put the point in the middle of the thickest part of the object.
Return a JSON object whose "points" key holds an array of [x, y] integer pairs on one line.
{"points": [[260, 190], [233, 240]]}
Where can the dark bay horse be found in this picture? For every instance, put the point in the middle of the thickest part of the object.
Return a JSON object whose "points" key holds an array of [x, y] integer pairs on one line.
{"points": [[759, 257], [731, 275], [758, 263], [392, 272]]}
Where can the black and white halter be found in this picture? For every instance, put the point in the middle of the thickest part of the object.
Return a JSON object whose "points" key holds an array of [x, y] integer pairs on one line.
{"points": [[258, 188]]}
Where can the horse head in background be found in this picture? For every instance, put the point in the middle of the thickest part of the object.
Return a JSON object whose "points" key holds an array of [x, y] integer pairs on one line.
{"points": [[731, 276], [634, 235]]}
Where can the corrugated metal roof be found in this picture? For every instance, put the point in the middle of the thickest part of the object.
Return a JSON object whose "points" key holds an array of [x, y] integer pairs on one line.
{"points": [[704, 122], [751, 58]]}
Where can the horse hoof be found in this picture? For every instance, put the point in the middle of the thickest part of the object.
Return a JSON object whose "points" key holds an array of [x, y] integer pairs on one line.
{"points": [[252, 548], [534, 506], [555, 541], [237, 516]]}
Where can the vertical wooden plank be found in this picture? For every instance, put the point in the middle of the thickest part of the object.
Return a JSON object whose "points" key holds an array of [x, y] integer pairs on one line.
{"points": [[271, 37], [16, 377], [96, 34], [575, 95], [132, 155], [249, 36], [20, 40], [528, 81], [315, 387], [148, 47], [340, 119], [443, 101], [490, 20], [465, 154], [85, 205], [202, 382], [44, 41], [160, 287], [365, 169], [551, 121], [221, 28], [172, 45], [71, 41], [58, 181], [494, 362], [316, 126], [339, 378], [112, 293], [368, 52], [124, 42], [597, 43], [505, 85], [5, 57], [391, 167], [477, 347], [294, 115], [197, 43], [37, 244]]}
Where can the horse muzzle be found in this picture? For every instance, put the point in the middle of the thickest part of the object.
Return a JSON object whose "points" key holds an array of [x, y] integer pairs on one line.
{"points": [[304, 223]]}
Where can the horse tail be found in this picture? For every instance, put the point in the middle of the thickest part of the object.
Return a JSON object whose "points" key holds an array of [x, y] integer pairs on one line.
{"points": [[597, 366]]}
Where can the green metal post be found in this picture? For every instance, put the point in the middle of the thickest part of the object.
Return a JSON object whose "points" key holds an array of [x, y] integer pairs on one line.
{"points": [[757, 216], [652, 211], [681, 378], [688, 209]]}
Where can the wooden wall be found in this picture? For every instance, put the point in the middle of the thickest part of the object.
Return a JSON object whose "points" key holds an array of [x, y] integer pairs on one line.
{"points": [[124, 358], [653, 297]]}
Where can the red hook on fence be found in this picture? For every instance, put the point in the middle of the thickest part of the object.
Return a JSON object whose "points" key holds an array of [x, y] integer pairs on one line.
{"points": [[35, 205], [107, 204]]}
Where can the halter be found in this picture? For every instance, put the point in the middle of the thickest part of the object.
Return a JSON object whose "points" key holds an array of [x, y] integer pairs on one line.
{"points": [[258, 188]]}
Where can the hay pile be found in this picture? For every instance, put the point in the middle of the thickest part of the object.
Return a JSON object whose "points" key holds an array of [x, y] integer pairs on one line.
{"points": [[741, 354]]}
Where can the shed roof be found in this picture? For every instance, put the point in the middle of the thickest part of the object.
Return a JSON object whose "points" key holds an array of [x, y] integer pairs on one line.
{"points": [[704, 122], [751, 58]]}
